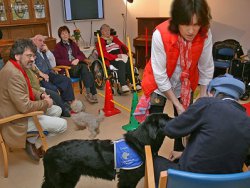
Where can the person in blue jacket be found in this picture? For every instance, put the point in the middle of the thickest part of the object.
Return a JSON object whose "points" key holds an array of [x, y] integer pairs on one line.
{"points": [[218, 131]]}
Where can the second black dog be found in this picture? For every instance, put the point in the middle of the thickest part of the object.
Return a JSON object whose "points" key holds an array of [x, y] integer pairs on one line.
{"points": [[67, 161]]}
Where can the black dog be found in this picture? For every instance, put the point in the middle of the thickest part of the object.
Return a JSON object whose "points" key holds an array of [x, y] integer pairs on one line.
{"points": [[67, 161]]}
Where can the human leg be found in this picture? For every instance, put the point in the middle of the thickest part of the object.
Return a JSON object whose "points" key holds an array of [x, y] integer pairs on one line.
{"points": [[161, 164], [64, 85], [58, 101], [54, 111], [54, 125], [121, 66], [48, 85], [88, 80]]}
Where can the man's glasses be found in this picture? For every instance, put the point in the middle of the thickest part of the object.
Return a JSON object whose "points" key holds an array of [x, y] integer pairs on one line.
{"points": [[30, 56]]}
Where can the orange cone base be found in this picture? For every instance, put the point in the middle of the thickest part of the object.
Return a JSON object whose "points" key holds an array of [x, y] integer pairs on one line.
{"points": [[109, 107], [112, 112]]}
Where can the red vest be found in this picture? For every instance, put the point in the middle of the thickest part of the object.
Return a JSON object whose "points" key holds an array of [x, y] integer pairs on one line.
{"points": [[172, 53]]}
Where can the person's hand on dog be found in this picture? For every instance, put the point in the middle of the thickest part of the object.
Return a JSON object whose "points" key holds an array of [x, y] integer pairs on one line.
{"points": [[180, 109], [175, 155]]}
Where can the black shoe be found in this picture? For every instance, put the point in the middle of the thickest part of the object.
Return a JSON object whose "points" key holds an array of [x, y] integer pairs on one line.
{"points": [[66, 113], [67, 105], [32, 151]]}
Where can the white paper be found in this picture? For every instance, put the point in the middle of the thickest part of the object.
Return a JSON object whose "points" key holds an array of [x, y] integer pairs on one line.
{"points": [[123, 58]]}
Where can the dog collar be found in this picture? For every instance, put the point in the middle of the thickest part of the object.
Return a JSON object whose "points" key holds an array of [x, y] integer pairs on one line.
{"points": [[72, 112], [125, 157]]}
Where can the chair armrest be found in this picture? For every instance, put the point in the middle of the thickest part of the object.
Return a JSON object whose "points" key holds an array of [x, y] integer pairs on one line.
{"points": [[65, 68], [149, 180], [56, 69], [19, 116], [36, 121]]}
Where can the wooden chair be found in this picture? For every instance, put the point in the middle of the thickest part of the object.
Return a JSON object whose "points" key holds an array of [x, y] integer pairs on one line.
{"points": [[149, 178], [66, 69], [178, 179], [15, 117]]}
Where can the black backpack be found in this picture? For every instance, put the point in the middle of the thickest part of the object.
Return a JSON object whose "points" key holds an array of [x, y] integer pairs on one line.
{"points": [[229, 43]]}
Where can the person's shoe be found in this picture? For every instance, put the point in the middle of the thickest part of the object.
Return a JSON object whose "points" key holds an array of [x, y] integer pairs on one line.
{"points": [[125, 89], [67, 105], [41, 152], [32, 151], [138, 87], [89, 98], [66, 113], [94, 97]]}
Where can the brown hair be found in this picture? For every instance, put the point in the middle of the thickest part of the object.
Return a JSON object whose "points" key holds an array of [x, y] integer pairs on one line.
{"points": [[182, 12], [61, 29]]}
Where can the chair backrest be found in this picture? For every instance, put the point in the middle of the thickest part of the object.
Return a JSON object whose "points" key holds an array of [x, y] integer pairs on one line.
{"points": [[177, 179], [228, 43], [225, 53]]}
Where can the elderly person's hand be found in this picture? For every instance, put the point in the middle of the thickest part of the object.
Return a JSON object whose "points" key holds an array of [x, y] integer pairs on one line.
{"points": [[75, 62], [175, 155]]}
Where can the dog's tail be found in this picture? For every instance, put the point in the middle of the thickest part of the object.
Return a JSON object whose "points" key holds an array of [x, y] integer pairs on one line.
{"points": [[100, 117]]}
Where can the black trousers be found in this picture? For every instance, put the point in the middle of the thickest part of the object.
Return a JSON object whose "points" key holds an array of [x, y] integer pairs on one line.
{"points": [[124, 71], [161, 164], [61, 83], [81, 70], [56, 99]]}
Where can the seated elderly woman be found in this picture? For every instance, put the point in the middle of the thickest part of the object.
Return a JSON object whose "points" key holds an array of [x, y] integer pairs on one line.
{"points": [[68, 53], [114, 52]]}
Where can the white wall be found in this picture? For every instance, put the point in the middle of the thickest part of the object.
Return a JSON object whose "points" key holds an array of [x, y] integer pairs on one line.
{"points": [[165, 6], [113, 10], [230, 18]]}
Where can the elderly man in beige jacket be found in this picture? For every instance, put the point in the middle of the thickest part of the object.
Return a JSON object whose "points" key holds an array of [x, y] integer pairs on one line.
{"points": [[17, 96]]}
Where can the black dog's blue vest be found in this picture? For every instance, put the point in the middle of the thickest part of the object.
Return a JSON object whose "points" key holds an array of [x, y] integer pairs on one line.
{"points": [[125, 157]]}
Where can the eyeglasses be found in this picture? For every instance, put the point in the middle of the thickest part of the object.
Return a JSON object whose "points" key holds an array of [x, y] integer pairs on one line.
{"points": [[30, 56]]}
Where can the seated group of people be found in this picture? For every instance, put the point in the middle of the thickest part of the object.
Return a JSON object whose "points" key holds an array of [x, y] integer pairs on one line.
{"points": [[29, 83]]}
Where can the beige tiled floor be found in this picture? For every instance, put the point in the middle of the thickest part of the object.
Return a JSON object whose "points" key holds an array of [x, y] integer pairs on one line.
{"points": [[23, 173]]}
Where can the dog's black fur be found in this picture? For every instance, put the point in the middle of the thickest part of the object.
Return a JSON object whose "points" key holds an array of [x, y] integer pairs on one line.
{"points": [[67, 161]]}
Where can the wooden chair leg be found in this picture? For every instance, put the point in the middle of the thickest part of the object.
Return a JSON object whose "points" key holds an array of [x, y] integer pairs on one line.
{"points": [[5, 156], [80, 86], [163, 180], [149, 180], [41, 134], [244, 169]]}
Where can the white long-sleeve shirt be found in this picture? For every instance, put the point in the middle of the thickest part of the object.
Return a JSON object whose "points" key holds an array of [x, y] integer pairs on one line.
{"points": [[158, 60]]}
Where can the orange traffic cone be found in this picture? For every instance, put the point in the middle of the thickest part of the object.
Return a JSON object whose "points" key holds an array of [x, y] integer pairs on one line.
{"points": [[109, 107]]}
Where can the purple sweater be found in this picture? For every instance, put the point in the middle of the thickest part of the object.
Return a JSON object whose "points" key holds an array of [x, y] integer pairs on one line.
{"points": [[61, 53]]}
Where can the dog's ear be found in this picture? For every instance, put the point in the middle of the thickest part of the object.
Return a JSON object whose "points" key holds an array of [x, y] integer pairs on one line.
{"points": [[158, 122]]}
